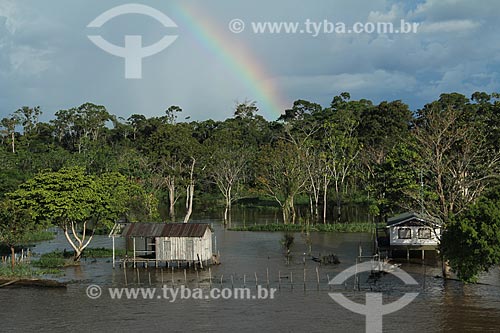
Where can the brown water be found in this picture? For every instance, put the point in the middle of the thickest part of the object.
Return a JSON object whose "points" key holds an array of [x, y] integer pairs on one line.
{"points": [[440, 306]]}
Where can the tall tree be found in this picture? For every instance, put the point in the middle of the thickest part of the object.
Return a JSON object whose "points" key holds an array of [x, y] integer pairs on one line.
{"points": [[283, 175], [76, 202], [15, 226], [457, 161], [9, 125], [342, 148], [471, 242]]}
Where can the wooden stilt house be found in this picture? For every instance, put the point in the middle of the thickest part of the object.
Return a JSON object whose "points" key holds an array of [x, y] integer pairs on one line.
{"points": [[179, 243]]}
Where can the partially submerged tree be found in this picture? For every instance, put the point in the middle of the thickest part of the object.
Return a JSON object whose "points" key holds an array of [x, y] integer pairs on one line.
{"points": [[228, 169], [15, 226], [471, 242], [457, 160], [76, 202], [283, 175]]}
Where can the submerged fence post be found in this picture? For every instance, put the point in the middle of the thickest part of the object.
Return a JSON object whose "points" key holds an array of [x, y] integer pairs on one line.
{"points": [[317, 277]]}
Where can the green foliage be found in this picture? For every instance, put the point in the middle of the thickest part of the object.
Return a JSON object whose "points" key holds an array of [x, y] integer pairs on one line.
{"points": [[337, 227], [26, 271], [51, 260], [16, 224], [77, 202], [471, 242]]}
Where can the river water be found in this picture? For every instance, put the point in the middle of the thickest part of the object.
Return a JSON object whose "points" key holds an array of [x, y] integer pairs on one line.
{"points": [[439, 306]]}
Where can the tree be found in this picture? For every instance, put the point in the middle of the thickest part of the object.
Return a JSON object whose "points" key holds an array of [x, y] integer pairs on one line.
{"points": [[283, 175], [228, 169], [457, 161], [471, 242], [246, 110], [341, 148], [171, 114], [10, 129], [15, 226], [76, 202], [28, 118]]}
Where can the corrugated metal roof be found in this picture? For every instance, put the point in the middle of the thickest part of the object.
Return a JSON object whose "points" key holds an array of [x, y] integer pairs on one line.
{"points": [[141, 229], [411, 216]]}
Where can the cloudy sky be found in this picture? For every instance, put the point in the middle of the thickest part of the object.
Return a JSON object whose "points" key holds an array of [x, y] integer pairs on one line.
{"points": [[47, 59]]}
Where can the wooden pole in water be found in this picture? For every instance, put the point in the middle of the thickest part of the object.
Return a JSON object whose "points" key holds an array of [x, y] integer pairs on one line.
{"points": [[244, 280], [267, 275], [134, 252], [173, 282], [304, 279], [185, 277], [256, 280], [138, 276], [161, 270], [125, 273], [222, 275], [317, 277], [328, 279], [279, 280], [149, 277], [291, 280], [113, 238], [232, 282]]}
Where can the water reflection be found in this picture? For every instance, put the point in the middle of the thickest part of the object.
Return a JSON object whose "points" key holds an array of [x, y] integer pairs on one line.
{"points": [[441, 306]]}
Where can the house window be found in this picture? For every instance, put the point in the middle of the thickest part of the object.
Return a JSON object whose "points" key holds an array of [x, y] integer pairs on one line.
{"points": [[424, 233], [404, 233]]}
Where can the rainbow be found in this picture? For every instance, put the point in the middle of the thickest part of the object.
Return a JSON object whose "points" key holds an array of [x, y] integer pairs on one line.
{"points": [[238, 58]]}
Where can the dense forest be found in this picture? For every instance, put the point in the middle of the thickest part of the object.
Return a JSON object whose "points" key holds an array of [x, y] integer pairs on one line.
{"points": [[442, 160], [438, 159]]}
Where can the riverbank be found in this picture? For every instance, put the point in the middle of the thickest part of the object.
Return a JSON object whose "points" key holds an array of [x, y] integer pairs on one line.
{"points": [[337, 227]]}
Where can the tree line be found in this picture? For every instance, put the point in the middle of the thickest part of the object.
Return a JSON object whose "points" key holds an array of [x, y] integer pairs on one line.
{"points": [[441, 159]]}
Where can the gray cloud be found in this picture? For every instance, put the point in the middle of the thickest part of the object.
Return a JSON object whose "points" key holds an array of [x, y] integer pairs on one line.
{"points": [[46, 58]]}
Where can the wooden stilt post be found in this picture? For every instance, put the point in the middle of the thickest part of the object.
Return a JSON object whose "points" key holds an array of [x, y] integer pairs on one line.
{"points": [[134, 251], [125, 273], [113, 238], [317, 277], [304, 279]]}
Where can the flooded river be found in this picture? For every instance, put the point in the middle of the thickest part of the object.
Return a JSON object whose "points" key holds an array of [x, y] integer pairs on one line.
{"points": [[296, 307]]}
